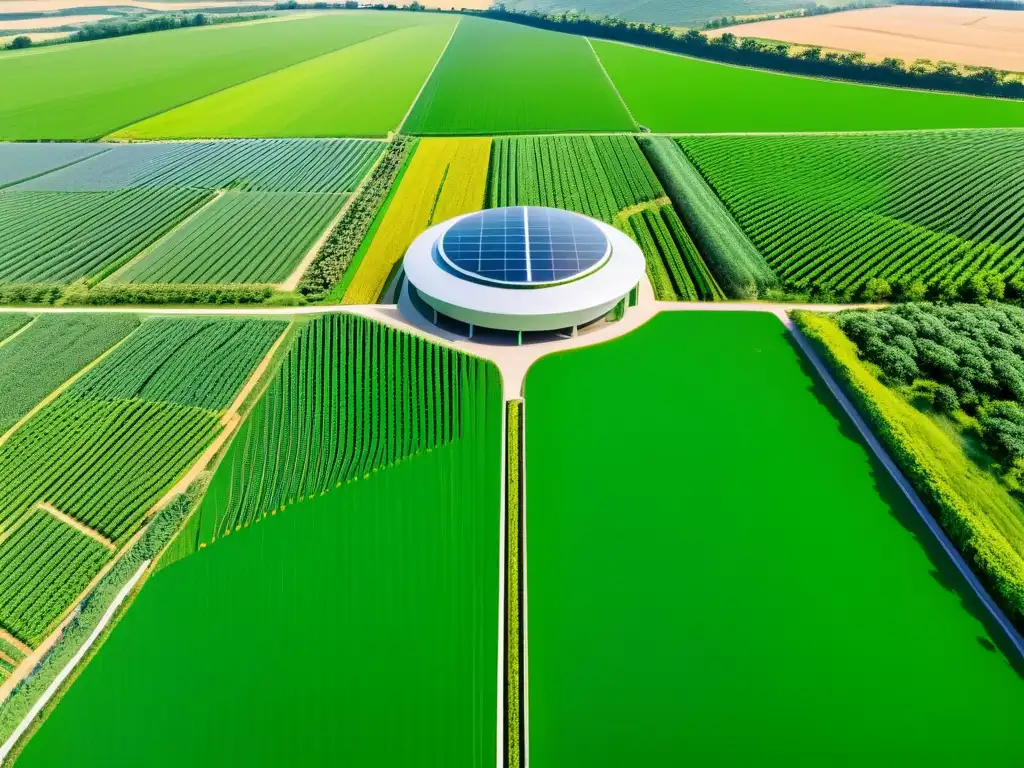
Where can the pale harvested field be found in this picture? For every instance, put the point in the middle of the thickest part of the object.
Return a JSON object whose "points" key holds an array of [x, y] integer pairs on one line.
{"points": [[50, 22], [962, 35]]}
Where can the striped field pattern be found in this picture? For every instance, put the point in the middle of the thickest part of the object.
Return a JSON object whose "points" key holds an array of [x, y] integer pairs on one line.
{"points": [[55, 237], [828, 213], [351, 397], [241, 237]]}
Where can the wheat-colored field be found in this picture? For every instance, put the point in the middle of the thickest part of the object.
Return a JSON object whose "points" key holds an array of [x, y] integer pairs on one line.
{"points": [[962, 35]]}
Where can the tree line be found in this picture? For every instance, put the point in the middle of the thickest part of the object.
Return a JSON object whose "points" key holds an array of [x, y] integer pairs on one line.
{"points": [[943, 76]]}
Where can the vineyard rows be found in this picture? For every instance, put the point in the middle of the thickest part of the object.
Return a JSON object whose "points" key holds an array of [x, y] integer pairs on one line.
{"points": [[927, 213], [10, 657], [257, 165], [242, 237], [55, 237], [107, 449], [446, 177], [44, 565], [352, 396], [48, 353]]}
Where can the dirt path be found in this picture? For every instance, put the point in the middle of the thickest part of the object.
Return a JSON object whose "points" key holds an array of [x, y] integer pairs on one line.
{"points": [[611, 83], [52, 689], [9, 638], [17, 333], [77, 525], [112, 278], [8, 659], [57, 392]]}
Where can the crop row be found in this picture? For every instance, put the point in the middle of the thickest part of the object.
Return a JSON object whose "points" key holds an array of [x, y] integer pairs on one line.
{"points": [[596, 175], [265, 165], [44, 566], [191, 361], [674, 265], [445, 177], [49, 352], [352, 396], [56, 237], [925, 213], [241, 237], [25, 161]]}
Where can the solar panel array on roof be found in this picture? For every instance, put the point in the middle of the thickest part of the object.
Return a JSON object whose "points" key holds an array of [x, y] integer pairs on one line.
{"points": [[524, 246]]}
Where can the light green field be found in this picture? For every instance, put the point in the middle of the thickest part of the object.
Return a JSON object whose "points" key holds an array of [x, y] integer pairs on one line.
{"points": [[671, 93], [499, 77], [362, 90], [88, 90], [720, 574]]}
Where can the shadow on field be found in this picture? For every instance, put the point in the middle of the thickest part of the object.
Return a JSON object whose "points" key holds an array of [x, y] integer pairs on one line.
{"points": [[944, 571]]}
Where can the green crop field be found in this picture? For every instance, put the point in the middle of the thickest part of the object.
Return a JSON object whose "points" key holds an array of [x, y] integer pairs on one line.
{"points": [[254, 165], [498, 77], [381, 597], [666, 92], [109, 447], [242, 237], [411, 391], [744, 587], [927, 212], [42, 564], [57, 237], [48, 353], [331, 95], [606, 177], [19, 162], [94, 217], [89, 90], [11, 322]]}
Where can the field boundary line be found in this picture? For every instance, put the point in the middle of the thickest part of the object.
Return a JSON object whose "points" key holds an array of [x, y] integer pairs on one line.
{"points": [[52, 689], [904, 485], [58, 391], [809, 77], [109, 279], [429, 76], [198, 466], [18, 332], [296, 276], [524, 650], [110, 136], [611, 82], [79, 526], [47, 172], [5, 635]]}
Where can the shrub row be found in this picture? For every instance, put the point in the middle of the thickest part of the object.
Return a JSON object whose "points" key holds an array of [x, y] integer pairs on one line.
{"points": [[341, 245], [513, 509]]}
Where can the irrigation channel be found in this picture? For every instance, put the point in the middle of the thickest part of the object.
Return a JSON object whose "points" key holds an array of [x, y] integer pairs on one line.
{"points": [[514, 362]]}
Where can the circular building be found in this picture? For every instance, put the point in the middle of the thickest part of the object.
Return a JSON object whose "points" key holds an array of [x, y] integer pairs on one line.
{"points": [[523, 268]]}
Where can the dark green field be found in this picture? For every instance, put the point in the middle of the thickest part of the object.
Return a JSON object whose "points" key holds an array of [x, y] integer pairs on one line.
{"points": [[356, 629], [720, 574]]}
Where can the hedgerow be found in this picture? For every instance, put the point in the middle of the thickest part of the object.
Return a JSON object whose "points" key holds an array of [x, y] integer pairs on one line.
{"points": [[976, 512], [341, 245]]}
